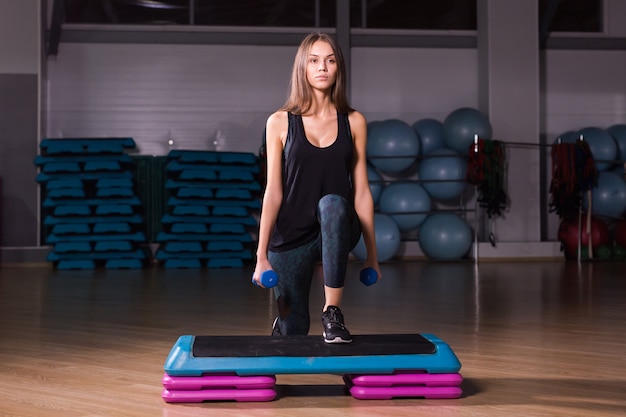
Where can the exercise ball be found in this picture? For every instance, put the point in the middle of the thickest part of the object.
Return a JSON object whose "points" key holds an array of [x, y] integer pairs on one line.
{"points": [[571, 136], [618, 132], [392, 146], [461, 125], [409, 198], [608, 197], [442, 173], [375, 181], [430, 134], [445, 236], [618, 170], [371, 125], [602, 145], [387, 239], [568, 235]]}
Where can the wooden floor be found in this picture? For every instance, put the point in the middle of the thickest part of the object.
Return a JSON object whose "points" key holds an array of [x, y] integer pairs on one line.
{"points": [[534, 338]]}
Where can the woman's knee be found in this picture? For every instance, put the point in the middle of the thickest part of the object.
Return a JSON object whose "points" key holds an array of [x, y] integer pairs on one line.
{"points": [[333, 205]]}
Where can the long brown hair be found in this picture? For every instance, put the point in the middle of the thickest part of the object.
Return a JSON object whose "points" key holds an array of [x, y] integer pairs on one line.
{"points": [[300, 95]]}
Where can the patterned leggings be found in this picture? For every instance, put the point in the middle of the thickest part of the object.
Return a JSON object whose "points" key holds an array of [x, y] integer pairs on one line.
{"points": [[340, 231]]}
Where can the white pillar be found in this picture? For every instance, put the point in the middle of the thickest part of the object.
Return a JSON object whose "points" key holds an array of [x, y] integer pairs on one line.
{"points": [[20, 63], [509, 93]]}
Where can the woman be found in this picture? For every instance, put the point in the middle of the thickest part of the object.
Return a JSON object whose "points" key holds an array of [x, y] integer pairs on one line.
{"points": [[317, 200]]}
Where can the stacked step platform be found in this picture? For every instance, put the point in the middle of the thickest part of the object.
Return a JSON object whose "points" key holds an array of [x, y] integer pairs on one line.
{"points": [[211, 210], [241, 368], [91, 214]]}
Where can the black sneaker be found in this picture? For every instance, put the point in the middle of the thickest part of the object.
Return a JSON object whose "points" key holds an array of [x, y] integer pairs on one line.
{"points": [[334, 329], [276, 328]]}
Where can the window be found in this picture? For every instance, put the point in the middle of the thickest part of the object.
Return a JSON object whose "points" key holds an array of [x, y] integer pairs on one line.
{"points": [[561, 15], [425, 15], [260, 13], [572, 15]]}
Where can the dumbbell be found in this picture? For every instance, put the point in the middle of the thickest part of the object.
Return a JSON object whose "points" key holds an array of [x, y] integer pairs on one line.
{"points": [[269, 279], [368, 276]]}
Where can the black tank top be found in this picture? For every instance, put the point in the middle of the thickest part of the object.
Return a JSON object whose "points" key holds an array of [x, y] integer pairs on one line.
{"points": [[310, 173]]}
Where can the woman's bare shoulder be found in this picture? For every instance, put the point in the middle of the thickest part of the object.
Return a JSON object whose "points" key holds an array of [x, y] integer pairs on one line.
{"points": [[356, 117], [277, 119]]}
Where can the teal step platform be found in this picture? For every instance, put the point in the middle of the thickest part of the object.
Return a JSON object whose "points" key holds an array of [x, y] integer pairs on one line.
{"points": [[182, 264], [73, 247], [163, 255], [123, 264], [60, 167], [224, 263], [225, 204], [210, 237], [95, 256], [194, 192], [267, 355], [194, 228], [211, 157], [111, 246], [224, 246], [131, 237], [192, 210], [70, 264], [176, 166], [64, 183], [115, 182], [97, 166], [197, 175], [71, 229], [41, 160], [116, 227], [54, 146], [54, 220], [112, 192], [53, 202], [43, 177], [174, 184], [65, 193], [248, 221]]}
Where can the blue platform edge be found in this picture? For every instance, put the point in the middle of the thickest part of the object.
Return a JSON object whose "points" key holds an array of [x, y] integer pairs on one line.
{"points": [[181, 362]]}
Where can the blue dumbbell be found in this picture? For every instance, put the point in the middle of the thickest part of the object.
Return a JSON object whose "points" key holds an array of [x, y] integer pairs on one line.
{"points": [[369, 276], [269, 279]]}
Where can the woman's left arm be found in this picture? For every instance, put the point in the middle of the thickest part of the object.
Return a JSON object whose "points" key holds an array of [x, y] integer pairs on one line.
{"points": [[363, 201]]}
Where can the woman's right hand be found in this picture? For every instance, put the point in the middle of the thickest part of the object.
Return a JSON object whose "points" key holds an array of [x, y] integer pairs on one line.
{"points": [[262, 265]]}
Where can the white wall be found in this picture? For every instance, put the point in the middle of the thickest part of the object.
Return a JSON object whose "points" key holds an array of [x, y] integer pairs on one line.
{"points": [[19, 36], [411, 84], [614, 11], [20, 57], [584, 88], [202, 94], [198, 92]]}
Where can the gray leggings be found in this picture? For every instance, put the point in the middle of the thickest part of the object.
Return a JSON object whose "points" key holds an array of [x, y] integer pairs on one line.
{"points": [[340, 231]]}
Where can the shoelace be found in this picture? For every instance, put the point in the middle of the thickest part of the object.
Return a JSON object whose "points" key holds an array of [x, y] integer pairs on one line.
{"points": [[335, 318]]}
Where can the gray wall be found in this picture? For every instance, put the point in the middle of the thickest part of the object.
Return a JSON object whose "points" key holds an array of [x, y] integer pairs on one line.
{"points": [[18, 145], [19, 120]]}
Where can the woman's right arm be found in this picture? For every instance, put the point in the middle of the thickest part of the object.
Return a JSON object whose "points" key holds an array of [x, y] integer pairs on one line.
{"points": [[275, 134]]}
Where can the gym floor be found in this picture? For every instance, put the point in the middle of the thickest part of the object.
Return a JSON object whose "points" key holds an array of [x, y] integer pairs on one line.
{"points": [[534, 338]]}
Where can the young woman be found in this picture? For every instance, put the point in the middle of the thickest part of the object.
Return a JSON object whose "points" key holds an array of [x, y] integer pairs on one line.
{"points": [[317, 200]]}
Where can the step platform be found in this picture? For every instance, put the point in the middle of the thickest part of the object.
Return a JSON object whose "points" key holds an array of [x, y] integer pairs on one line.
{"points": [[222, 368]]}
